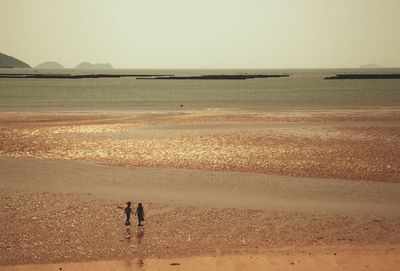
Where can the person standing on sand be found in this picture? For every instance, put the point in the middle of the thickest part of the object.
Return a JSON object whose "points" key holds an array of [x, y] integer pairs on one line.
{"points": [[128, 212], [140, 214]]}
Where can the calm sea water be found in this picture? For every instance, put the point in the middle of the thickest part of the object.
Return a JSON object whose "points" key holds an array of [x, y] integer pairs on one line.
{"points": [[304, 89]]}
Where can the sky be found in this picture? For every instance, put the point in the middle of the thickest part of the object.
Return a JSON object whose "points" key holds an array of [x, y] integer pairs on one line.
{"points": [[203, 33]]}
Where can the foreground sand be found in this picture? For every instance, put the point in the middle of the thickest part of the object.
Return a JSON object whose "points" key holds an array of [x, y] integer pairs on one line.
{"points": [[210, 185], [320, 258], [63, 211]]}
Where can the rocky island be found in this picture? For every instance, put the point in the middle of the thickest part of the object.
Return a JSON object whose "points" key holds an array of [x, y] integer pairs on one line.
{"points": [[50, 65], [11, 62]]}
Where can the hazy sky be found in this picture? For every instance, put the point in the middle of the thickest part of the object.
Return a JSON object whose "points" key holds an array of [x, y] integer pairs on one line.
{"points": [[203, 33]]}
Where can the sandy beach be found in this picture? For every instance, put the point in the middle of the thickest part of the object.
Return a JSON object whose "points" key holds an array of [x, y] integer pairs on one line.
{"points": [[199, 135], [221, 190]]}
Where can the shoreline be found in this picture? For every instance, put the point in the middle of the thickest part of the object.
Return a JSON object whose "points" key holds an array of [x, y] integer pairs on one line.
{"points": [[205, 110]]}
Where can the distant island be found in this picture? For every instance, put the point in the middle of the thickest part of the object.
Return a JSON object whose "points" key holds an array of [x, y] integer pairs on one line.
{"points": [[74, 76], [215, 77], [370, 66], [49, 65], [143, 76], [11, 62], [97, 66], [356, 76]]}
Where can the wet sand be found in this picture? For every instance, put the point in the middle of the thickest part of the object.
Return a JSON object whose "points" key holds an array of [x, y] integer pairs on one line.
{"points": [[202, 188], [349, 258], [225, 184], [351, 144], [50, 227]]}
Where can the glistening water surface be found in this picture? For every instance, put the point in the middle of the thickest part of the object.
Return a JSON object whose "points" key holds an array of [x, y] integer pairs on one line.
{"points": [[304, 89]]}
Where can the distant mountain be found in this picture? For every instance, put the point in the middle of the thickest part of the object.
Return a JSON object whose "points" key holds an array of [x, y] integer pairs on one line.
{"points": [[49, 65], [11, 62], [90, 66]]}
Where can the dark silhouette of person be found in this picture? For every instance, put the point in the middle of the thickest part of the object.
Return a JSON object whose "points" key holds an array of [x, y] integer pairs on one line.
{"points": [[128, 212], [140, 214]]}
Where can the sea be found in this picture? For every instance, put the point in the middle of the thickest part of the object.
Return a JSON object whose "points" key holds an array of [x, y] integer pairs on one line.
{"points": [[303, 89]]}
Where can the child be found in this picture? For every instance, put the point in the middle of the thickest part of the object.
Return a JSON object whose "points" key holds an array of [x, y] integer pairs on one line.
{"points": [[128, 212], [140, 214]]}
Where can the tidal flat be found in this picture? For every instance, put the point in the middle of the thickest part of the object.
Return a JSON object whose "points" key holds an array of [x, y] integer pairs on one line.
{"points": [[222, 182]]}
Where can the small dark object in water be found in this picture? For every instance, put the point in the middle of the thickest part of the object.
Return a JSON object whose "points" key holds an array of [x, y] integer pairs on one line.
{"points": [[175, 264]]}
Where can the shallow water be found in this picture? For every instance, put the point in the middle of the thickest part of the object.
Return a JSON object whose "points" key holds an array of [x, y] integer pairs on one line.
{"points": [[304, 89]]}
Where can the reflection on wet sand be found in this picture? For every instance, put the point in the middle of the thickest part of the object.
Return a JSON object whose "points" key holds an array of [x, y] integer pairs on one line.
{"points": [[347, 146], [139, 236]]}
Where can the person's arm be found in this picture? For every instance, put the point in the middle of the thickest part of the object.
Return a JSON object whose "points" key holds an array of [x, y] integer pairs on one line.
{"points": [[136, 213]]}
